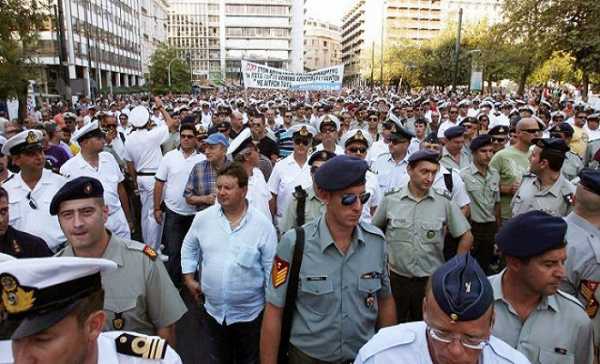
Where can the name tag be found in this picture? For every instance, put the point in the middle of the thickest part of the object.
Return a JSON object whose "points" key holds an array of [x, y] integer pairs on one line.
{"points": [[371, 275], [316, 279]]}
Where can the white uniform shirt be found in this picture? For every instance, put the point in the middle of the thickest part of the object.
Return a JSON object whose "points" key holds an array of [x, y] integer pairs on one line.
{"points": [[407, 343], [372, 187], [258, 195], [447, 124], [378, 148], [107, 351], [175, 170], [143, 147], [592, 134], [390, 173], [286, 175], [108, 173], [6, 352], [338, 149], [36, 221]]}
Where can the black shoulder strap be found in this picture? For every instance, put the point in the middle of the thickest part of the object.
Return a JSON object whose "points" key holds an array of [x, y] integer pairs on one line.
{"points": [[290, 297], [122, 136], [448, 180], [300, 195]]}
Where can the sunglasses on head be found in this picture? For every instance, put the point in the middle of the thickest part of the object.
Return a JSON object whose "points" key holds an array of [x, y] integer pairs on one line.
{"points": [[303, 141], [349, 199]]}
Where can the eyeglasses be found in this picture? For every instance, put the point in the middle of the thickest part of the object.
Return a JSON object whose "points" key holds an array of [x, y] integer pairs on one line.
{"points": [[349, 199], [302, 141], [474, 343], [531, 131], [32, 202], [361, 150], [328, 130], [374, 118]]}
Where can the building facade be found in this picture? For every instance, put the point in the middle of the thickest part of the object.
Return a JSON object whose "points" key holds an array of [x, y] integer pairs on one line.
{"points": [[154, 17], [322, 44], [218, 34]]}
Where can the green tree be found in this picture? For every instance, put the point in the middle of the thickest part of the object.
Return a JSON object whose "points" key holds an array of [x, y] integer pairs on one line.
{"points": [[20, 22], [559, 68], [159, 74]]}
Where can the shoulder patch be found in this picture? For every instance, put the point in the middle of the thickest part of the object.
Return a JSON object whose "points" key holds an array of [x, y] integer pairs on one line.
{"points": [[443, 193], [570, 298], [151, 253], [142, 346], [279, 271], [568, 198], [372, 229], [385, 339]]}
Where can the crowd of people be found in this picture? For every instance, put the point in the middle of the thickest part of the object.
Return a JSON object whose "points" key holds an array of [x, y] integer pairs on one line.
{"points": [[311, 227]]}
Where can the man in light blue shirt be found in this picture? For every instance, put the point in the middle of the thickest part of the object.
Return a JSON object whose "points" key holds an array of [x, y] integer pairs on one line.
{"points": [[234, 245]]}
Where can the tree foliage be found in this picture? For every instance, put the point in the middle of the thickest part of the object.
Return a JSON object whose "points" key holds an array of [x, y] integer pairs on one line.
{"points": [[559, 68], [159, 74]]}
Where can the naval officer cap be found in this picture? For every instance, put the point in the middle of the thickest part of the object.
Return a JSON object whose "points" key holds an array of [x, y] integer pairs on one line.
{"points": [[303, 130], [25, 141], [555, 144], [241, 142], [89, 130], [531, 234], [356, 135], [341, 172], [40, 292], [424, 155], [400, 132], [480, 141], [499, 130], [563, 128], [454, 132], [461, 288], [75, 189], [320, 156], [590, 179]]}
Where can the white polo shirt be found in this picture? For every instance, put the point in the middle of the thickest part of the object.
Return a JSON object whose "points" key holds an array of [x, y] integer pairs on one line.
{"points": [[143, 147], [108, 173], [29, 210], [286, 175], [175, 170]]}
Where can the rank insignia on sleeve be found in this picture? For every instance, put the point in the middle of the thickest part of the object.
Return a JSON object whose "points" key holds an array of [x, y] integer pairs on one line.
{"points": [[587, 290], [146, 347], [279, 272], [151, 253]]}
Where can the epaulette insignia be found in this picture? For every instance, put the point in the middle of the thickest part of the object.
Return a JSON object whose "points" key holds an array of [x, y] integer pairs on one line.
{"points": [[393, 190], [569, 199], [151, 253], [146, 347]]}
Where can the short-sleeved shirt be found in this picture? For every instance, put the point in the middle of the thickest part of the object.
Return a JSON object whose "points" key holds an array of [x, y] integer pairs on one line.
{"points": [[285, 142], [448, 160], [258, 194], [313, 208], [556, 331], [108, 352], [415, 230], [579, 140], [511, 164], [140, 292], [484, 192], [557, 200], [286, 175], [143, 148], [175, 171], [390, 173], [572, 165], [337, 305]]}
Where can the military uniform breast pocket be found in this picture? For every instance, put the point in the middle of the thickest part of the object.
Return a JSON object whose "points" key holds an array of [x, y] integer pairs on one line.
{"points": [[247, 257], [316, 294], [119, 314], [431, 232], [15, 211], [555, 357], [399, 230]]}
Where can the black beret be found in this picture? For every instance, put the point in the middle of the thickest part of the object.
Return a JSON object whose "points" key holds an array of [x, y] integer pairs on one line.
{"points": [[320, 156], [424, 155], [480, 142], [590, 179], [531, 234], [461, 288], [499, 130], [432, 138], [454, 132], [556, 144], [400, 132], [341, 172], [81, 187], [563, 128]]}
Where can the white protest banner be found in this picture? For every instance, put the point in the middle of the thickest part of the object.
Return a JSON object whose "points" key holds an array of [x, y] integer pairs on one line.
{"points": [[258, 76]]}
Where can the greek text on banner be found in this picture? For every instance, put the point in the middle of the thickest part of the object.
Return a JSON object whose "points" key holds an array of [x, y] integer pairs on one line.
{"points": [[258, 76]]}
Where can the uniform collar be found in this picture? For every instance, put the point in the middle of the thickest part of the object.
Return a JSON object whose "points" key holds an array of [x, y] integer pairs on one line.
{"points": [[44, 179], [106, 349], [405, 193], [114, 249], [546, 302], [554, 189], [326, 240]]}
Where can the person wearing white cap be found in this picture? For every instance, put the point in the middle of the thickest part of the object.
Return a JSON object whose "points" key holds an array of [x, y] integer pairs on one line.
{"points": [[328, 127], [143, 149], [591, 127], [291, 171], [58, 306], [30, 191], [93, 162], [5, 173]]}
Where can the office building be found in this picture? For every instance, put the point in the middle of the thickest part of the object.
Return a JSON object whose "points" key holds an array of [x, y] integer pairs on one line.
{"points": [[322, 44]]}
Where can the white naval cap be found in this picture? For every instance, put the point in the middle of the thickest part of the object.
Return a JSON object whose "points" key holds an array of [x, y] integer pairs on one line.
{"points": [[139, 116], [356, 135], [303, 130], [92, 127], [27, 139], [240, 142], [43, 291], [328, 118]]}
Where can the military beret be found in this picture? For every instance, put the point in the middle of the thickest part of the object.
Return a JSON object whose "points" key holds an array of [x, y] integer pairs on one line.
{"points": [[341, 172], [531, 234], [590, 179], [424, 155], [556, 144], [320, 156], [498, 130], [454, 132], [432, 138], [23, 141], [78, 188], [461, 288], [480, 142], [563, 128]]}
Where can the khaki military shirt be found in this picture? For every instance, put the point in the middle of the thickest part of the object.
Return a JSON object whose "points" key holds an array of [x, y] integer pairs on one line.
{"points": [[484, 192], [449, 162], [312, 209], [139, 295], [337, 305], [592, 148], [415, 230], [571, 166], [557, 200]]}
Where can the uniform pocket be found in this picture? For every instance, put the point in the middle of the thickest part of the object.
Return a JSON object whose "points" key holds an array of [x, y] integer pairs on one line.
{"points": [[549, 357], [399, 230], [119, 313], [431, 232], [371, 285], [317, 294]]}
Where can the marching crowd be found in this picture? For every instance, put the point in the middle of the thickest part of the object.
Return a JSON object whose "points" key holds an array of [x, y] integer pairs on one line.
{"points": [[312, 228]]}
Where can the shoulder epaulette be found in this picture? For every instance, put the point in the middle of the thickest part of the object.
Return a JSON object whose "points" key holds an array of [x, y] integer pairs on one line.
{"points": [[372, 229], [142, 346], [570, 298], [151, 253], [442, 193], [392, 191]]}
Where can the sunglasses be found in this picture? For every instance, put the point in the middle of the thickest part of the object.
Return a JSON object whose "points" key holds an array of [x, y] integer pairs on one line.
{"points": [[531, 131], [32, 202], [374, 118], [349, 199], [302, 141], [498, 140], [361, 150]]}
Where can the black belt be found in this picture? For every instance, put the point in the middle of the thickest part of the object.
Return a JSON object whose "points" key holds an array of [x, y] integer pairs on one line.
{"points": [[145, 173], [411, 279]]}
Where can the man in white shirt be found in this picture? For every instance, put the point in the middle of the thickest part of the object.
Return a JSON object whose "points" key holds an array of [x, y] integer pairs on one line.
{"points": [[176, 213]]}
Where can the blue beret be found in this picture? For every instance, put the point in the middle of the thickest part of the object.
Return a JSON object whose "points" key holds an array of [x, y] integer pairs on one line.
{"points": [[590, 179], [81, 187], [320, 156], [551, 143], [531, 234], [341, 172], [454, 132], [461, 288], [563, 128], [498, 130], [424, 155], [480, 142]]}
